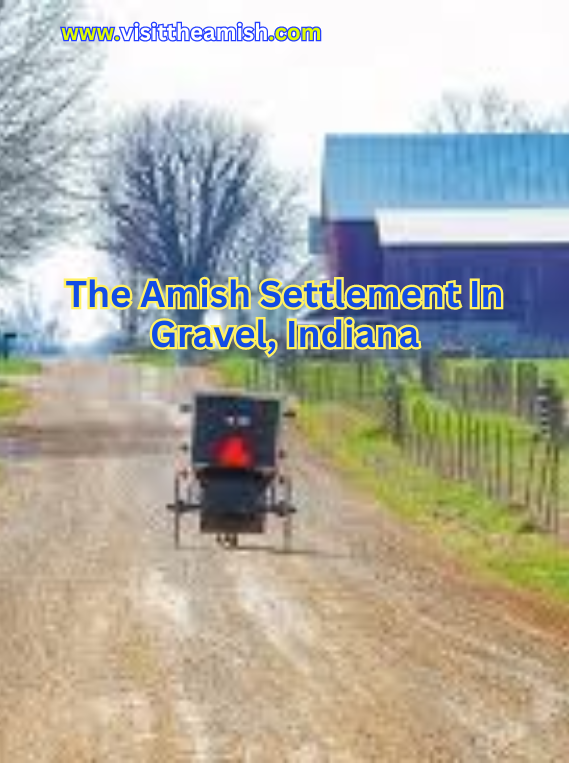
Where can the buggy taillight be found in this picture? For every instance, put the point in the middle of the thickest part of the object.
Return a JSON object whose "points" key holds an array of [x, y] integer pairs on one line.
{"points": [[234, 452]]}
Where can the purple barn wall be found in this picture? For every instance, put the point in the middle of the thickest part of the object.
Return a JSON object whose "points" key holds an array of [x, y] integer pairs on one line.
{"points": [[353, 252], [535, 278]]}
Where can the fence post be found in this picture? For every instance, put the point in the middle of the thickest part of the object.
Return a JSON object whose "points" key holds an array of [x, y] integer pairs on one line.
{"points": [[498, 463], [486, 468], [393, 398], [460, 445], [511, 485], [550, 414], [360, 367], [527, 380], [553, 503], [429, 370], [447, 441], [532, 457]]}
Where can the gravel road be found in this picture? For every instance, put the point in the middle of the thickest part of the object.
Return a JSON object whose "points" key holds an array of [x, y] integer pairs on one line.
{"points": [[363, 645]]}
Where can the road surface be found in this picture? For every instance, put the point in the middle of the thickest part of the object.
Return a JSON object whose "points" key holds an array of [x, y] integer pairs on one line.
{"points": [[362, 646]]}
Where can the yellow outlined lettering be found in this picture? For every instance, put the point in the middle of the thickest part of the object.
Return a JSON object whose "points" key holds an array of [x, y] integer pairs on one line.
{"points": [[174, 297], [115, 296], [490, 296], [409, 338], [157, 331], [268, 289], [308, 332], [390, 297], [151, 285], [95, 290], [237, 290], [436, 291], [76, 285]]}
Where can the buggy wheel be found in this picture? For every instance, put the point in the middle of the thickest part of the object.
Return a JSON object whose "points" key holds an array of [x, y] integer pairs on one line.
{"points": [[177, 527], [287, 532], [287, 513], [177, 511]]}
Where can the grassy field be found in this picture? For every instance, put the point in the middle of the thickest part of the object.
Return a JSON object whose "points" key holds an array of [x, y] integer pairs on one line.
{"points": [[486, 535], [558, 369], [14, 399], [17, 366]]}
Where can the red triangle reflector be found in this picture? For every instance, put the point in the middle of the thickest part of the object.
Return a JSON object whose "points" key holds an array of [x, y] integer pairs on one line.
{"points": [[234, 453]]}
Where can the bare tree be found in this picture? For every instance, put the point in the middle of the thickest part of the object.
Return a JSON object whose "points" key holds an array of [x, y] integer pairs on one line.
{"points": [[43, 117], [133, 323], [488, 111], [274, 237], [38, 325], [189, 193]]}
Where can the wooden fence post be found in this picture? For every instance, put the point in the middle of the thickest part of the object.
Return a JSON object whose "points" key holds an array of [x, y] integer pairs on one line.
{"points": [[510, 451]]}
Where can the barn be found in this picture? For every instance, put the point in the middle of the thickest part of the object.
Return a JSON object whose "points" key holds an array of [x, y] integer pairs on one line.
{"points": [[427, 209]]}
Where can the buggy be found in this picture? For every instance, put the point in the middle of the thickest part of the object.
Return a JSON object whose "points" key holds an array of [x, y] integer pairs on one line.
{"points": [[231, 472]]}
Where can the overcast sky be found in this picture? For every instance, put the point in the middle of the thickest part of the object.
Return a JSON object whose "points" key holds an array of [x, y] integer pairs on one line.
{"points": [[379, 67]]}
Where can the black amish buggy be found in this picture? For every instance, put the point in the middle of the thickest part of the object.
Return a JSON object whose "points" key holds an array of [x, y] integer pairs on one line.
{"points": [[231, 472]]}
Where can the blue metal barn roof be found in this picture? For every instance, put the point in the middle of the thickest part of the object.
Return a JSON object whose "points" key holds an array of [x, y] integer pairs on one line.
{"points": [[364, 173]]}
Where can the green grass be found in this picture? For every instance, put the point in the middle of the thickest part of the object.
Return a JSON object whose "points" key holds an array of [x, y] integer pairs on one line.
{"points": [[558, 369], [17, 366], [13, 398], [13, 401], [484, 535]]}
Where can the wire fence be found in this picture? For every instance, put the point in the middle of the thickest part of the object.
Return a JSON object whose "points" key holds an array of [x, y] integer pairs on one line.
{"points": [[501, 436], [501, 384]]}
